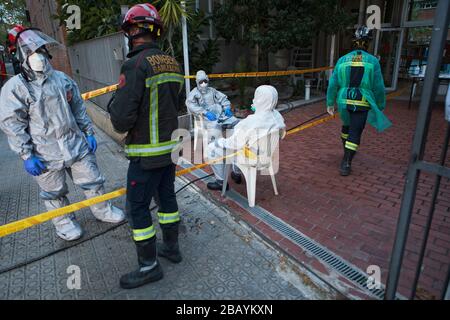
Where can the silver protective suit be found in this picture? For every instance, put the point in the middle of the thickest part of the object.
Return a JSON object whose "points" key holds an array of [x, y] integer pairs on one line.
{"points": [[249, 130], [46, 117], [202, 100]]}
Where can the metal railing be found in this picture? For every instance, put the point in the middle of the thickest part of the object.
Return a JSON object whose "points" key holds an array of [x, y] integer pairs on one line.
{"points": [[417, 164]]}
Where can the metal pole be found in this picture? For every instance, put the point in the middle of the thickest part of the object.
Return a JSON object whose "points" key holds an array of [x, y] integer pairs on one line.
{"points": [[332, 50], [436, 188], [186, 57], [185, 49], [438, 40]]}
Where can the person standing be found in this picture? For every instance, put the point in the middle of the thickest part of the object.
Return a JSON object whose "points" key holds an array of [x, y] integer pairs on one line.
{"points": [[357, 86], [146, 107], [45, 119]]}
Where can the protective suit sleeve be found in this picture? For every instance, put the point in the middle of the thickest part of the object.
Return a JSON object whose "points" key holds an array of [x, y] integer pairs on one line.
{"points": [[14, 121], [221, 99], [333, 87], [378, 87], [193, 105], [124, 109], [79, 110], [237, 141]]}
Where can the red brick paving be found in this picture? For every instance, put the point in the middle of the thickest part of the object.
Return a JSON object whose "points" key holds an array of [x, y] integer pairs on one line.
{"points": [[356, 216]]}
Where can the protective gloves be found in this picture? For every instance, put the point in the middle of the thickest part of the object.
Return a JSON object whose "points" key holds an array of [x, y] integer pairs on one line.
{"points": [[330, 110], [92, 143], [210, 116], [34, 166], [228, 112]]}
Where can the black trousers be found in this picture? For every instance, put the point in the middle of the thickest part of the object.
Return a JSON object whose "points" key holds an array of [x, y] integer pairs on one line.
{"points": [[142, 187], [352, 134]]}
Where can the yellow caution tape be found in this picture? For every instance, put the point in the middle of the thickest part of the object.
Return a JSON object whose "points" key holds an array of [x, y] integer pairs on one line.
{"points": [[20, 225], [102, 91], [264, 74], [312, 124], [99, 92], [44, 217]]}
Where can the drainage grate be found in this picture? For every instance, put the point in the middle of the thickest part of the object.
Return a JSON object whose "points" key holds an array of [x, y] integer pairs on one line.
{"points": [[351, 272]]}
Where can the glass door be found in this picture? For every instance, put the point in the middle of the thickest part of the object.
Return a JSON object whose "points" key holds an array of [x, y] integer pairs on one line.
{"points": [[388, 45]]}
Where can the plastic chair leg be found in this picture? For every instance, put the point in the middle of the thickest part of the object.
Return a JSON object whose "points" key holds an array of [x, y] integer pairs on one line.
{"points": [[274, 181]]}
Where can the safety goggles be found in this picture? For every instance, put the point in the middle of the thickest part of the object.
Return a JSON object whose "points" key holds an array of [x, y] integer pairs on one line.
{"points": [[203, 81]]}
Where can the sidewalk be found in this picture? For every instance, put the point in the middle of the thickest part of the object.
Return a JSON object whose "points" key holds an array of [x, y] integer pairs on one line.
{"points": [[223, 258], [355, 217]]}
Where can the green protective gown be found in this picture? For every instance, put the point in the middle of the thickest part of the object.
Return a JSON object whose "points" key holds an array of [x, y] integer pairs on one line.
{"points": [[371, 87]]}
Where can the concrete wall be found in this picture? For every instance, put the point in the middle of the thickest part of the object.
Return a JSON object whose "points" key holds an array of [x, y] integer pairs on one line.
{"points": [[96, 63]]}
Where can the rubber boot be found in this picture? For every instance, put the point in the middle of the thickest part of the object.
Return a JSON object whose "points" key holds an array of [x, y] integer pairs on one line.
{"points": [[237, 177], [346, 164], [170, 249], [217, 185], [149, 268]]}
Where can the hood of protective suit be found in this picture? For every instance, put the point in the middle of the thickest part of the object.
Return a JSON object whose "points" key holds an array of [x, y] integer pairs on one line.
{"points": [[265, 117], [201, 75], [265, 100], [29, 43]]}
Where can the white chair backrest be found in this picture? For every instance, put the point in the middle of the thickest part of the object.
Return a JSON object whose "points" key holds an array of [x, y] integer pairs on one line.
{"points": [[264, 148], [198, 122]]}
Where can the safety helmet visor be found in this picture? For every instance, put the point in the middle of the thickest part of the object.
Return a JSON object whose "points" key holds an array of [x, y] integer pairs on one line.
{"points": [[29, 41]]}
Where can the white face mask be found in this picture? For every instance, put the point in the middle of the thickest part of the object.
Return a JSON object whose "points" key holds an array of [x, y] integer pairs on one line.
{"points": [[37, 62]]}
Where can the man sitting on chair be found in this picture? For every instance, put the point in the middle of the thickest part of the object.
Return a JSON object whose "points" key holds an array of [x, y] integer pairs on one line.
{"points": [[247, 132], [213, 105]]}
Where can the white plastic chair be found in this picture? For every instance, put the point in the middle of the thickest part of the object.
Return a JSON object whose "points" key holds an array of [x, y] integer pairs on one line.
{"points": [[199, 132], [264, 149], [201, 135]]}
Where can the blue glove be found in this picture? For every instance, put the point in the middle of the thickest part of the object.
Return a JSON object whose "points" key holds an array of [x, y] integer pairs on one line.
{"points": [[92, 143], [211, 116], [34, 166], [228, 112]]}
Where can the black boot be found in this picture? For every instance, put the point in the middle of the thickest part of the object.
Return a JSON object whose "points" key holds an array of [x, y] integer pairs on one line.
{"points": [[346, 164], [217, 185], [343, 142], [237, 177], [149, 267], [170, 249]]}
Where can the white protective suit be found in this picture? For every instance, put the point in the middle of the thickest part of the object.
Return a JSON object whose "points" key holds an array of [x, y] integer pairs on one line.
{"points": [[43, 115], [249, 130], [202, 100]]}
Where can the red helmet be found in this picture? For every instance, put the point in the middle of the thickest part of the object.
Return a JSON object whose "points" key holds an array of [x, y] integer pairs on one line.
{"points": [[11, 38], [145, 16]]}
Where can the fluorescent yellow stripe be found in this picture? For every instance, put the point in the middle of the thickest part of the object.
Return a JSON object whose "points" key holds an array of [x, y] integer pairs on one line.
{"points": [[144, 234], [20, 225], [356, 102], [166, 218], [351, 146], [344, 135]]}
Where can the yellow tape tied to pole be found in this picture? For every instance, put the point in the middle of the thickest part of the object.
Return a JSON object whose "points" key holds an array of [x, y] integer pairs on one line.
{"points": [[41, 218]]}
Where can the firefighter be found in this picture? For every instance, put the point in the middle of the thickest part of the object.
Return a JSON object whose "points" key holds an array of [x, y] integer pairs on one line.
{"points": [[146, 107], [357, 86], [11, 44]]}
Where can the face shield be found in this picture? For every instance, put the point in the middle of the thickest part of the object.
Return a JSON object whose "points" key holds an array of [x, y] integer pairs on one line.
{"points": [[33, 50], [30, 40]]}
